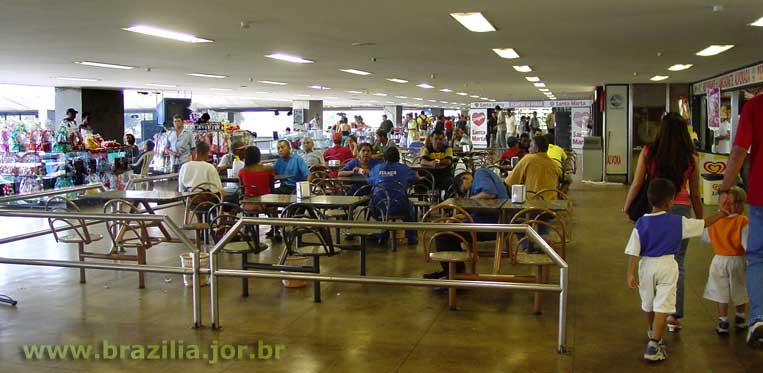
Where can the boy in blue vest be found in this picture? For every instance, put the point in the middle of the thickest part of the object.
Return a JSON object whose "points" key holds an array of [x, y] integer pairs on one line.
{"points": [[652, 245]]}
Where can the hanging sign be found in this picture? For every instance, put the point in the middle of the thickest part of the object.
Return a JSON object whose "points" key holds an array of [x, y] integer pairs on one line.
{"points": [[478, 130]]}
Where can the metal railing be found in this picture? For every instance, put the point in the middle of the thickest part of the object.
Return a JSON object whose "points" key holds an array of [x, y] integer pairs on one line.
{"points": [[194, 271], [562, 288], [166, 177], [50, 193]]}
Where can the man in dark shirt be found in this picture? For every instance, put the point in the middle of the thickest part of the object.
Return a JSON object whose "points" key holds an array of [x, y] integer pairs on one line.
{"points": [[386, 124], [492, 129], [438, 158]]}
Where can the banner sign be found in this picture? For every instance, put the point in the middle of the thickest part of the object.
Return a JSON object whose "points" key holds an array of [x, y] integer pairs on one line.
{"points": [[479, 127], [739, 78], [714, 108], [616, 129], [580, 118], [532, 104]]}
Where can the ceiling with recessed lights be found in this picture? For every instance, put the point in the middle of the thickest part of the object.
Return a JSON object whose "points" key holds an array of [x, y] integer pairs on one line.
{"points": [[571, 46]]}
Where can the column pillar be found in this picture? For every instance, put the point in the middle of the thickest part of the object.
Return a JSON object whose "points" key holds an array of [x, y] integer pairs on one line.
{"points": [[438, 111], [395, 114], [108, 110], [304, 111]]}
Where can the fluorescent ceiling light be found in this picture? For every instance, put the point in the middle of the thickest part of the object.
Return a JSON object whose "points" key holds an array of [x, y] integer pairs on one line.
{"points": [[356, 72], [454, 103], [389, 102], [680, 67], [432, 100], [491, 100], [220, 89], [107, 65], [474, 96], [483, 98], [657, 78], [544, 89], [532, 78], [462, 94], [425, 85], [397, 80], [401, 96], [213, 76], [443, 102], [523, 69], [539, 84], [418, 99], [713, 50], [446, 90], [77, 79], [355, 92], [272, 82], [167, 34], [380, 94], [758, 23], [331, 98], [320, 87], [160, 85], [474, 21], [288, 58], [506, 52]]}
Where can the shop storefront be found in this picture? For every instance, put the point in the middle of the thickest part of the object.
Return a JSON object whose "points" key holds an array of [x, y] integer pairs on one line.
{"points": [[716, 105]]}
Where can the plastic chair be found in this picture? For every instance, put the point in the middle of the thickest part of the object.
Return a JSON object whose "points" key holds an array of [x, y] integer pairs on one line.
{"points": [[81, 235]]}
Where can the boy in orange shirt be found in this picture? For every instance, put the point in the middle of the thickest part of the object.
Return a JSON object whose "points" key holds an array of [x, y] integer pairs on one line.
{"points": [[726, 280]]}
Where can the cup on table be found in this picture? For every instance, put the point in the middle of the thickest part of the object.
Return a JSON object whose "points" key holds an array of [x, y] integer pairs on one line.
{"points": [[230, 172], [518, 193], [514, 161]]}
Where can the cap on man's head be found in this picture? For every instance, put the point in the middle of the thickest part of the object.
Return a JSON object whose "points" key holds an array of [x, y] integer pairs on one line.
{"points": [[336, 138], [238, 145], [511, 141], [71, 110]]}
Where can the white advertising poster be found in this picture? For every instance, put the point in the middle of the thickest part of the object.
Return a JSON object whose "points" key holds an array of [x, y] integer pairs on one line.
{"points": [[714, 108], [616, 129], [580, 118], [479, 127]]}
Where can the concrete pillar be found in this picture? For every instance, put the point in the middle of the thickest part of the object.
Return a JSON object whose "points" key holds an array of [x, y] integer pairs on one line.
{"points": [[108, 110], [304, 111], [395, 114], [438, 111]]}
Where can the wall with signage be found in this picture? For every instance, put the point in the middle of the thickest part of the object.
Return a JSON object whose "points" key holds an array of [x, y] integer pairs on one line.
{"points": [[734, 79], [478, 128], [616, 130], [532, 104]]}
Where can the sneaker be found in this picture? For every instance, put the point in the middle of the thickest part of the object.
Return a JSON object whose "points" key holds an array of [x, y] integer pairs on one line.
{"points": [[722, 328], [755, 334], [674, 325], [655, 351], [435, 275], [740, 322], [649, 333], [269, 234]]}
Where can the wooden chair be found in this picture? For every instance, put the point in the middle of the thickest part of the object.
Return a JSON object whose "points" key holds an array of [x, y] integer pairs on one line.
{"points": [[553, 234], [78, 232], [127, 234], [566, 215], [446, 213], [296, 245]]}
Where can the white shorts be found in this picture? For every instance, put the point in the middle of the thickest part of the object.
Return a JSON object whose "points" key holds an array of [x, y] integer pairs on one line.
{"points": [[657, 283], [726, 280]]}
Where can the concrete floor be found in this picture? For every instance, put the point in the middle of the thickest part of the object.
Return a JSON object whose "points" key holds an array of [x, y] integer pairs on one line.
{"points": [[362, 328]]}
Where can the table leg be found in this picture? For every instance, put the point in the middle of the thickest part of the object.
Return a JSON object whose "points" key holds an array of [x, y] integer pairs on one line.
{"points": [[499, 243], [362, 255], [167, 236]]}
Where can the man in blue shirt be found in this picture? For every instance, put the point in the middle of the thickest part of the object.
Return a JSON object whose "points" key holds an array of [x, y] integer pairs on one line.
{"points": [[394, 178], [483, 184], [288, 165]]}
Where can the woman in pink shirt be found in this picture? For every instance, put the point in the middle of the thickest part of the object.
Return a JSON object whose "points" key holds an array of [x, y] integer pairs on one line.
{"points": [[672, 156]]}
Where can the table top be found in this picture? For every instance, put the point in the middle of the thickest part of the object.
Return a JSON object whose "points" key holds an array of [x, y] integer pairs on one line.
{"points": [[476, 204], [553, 205], [281, 200], [235, 179], [138, 195], [422, 167]]}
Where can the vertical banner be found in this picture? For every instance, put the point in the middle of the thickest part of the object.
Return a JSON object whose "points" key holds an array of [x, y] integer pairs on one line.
{"points": [[616, 130], [714, 108], [479, 127], [580, 118]]}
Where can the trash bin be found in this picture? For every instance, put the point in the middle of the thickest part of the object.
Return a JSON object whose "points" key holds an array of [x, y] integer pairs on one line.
{"points": [[711, 183], [186, 260], [296, 261]]}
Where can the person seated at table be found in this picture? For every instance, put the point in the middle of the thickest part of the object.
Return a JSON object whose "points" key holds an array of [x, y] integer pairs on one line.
{"points": [[311, 156], [459, 140], [512, 150], [558, 154], [286, 164], [234, 159], [388, 176], [439, 156], [337, 152], [257, 180], [144, 159], [352, 144], [483, 184], [381, 144], [537, 132], [198, 171], [362, 165]]}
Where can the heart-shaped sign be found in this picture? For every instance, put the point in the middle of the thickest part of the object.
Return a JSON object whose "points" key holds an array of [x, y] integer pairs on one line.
{"points": [[478, 119], [715, 167]]}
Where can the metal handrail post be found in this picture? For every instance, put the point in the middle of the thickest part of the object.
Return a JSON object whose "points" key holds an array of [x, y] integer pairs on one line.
{"points": [[195, 265], [562, 333], [214, 294]]}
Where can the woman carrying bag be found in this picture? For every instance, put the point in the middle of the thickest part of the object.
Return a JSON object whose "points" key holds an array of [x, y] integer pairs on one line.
{"points": [[671, 156]]}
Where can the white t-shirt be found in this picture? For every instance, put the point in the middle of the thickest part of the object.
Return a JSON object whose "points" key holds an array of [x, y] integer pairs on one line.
{"points": [[689, 228], [724, 146], [193, 173]]}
